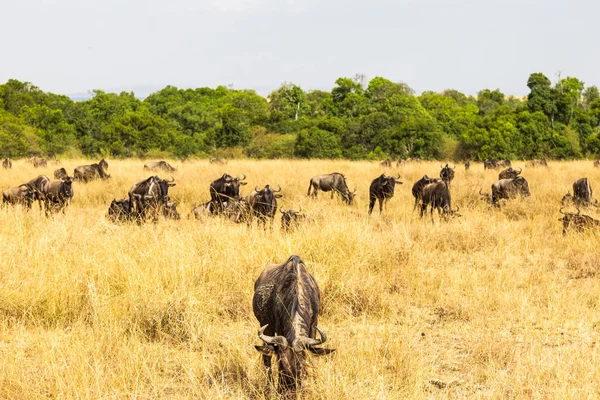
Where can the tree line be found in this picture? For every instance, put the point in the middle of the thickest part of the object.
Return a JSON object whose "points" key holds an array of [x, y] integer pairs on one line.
{"points": [[355, 120]]}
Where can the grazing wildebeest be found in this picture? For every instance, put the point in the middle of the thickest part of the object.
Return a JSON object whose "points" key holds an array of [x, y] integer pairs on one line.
{"points": [[286, 303], [467, 165], [263, 203], [509, 173], [417, 189], [447, 173], [153, 196], [490, 163], [60, 173], [7, 163], [387, 163], [577, 221], [291, 218], [217, 161], [382, 189], [159, 165], [119, 211], [38, 184], [225, 189], [596, 163], [86, 173], [24, 195], [58, 194], [170, 211], [510, 188], [582, 194], [334, 183], [39, 162], [503, 163], [537, 163], [437, 196]]}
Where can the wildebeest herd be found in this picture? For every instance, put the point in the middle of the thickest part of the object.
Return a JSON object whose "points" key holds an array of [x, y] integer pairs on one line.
{"points": [[286, 299]]}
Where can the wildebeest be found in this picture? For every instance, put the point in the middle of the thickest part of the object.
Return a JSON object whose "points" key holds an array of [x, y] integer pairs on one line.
{"points": [[503, 163], [582, 193], [417, 189], [58, 194], [291, 218], [170, 210], [263, 203], [510, 188], [537, 163], [39, 183], [486, 197], [204, 209], [225, 189], [24, 195], [159, 165], [447, 173], [509, 173], [577, 221], [467, 165], [490, 163], [60, 173], [151, 194], [86, 173], [119, 211], [334, 183], [382, 189], [437, 196], [217, 161], [400, 162], [286, 304], [39, 162], [387, 163], [7, 163], [596, 163]]}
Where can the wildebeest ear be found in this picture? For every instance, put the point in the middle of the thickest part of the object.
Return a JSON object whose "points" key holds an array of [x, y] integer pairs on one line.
{"points": [[172, 184], [243, 183], [319, 351], [266, 350], [277, 195]]}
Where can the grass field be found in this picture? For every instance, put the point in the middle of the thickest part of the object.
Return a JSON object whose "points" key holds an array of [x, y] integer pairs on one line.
{"points": [[496, 304]]}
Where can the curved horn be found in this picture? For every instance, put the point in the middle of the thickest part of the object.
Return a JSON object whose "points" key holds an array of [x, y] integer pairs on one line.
{"points": [[441, 166], [242, 179], [279, 340], [561, 211], [481, 194], [256, 189], [275, 191], [457, 209], [172, 179], [398, 177], [520, 170], [306, 342], [454, 166], [281, 211]]}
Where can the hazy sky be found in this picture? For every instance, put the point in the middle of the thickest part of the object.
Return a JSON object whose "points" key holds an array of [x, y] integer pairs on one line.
{"points": [[73, 46]]}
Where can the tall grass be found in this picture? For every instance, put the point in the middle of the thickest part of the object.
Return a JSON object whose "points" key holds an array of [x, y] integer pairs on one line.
{"points": [[494, 304]]}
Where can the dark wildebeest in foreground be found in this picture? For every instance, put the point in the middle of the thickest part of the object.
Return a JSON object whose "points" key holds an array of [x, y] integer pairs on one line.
{"points": [[447, 173], [417, 189], [467, 165], [286, 303], [291, 219], [582, 194], [86, 173], [510, 188], [58, 194], [159, 166], [509, 173], [225, 189], [537, 163], [437, 196], [334, 183], [387, 163], [490, 163], [60, 173], [577, 221], [7, 163], [149, 196], [596, 163], [23, 195], [382, 189], [217, 161], [263, 204]]}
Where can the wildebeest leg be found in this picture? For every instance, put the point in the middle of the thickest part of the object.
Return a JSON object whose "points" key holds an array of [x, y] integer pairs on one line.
{"points": [[381, 202], [332, 192], [269, 371], [371, 204], [422, 210]]}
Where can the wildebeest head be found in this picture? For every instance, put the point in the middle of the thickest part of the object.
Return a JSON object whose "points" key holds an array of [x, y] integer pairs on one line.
{"points": [[233, 185], [170, 211], [577, 221], [119, 210], [60, 173], [521, 186], [67, 186], [467, 165], [164, 186], [290, 217], [447, 173], [103, 164], [567, 199], [509, 173], [387, 184]]}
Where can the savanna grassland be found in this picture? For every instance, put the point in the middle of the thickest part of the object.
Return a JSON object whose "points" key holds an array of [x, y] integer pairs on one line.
{"points": [[495, 304]]}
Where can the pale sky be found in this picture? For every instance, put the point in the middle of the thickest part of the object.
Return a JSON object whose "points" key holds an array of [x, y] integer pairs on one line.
{"points": [[74, 46]]}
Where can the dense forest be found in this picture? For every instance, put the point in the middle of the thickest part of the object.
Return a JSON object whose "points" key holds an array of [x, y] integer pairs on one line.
{"points": [[355, 120]]}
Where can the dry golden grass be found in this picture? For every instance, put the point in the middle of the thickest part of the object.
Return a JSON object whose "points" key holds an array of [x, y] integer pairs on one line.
{"points": [[495, 304]]}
